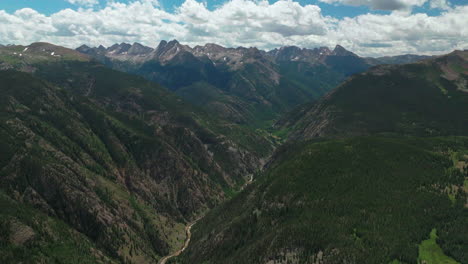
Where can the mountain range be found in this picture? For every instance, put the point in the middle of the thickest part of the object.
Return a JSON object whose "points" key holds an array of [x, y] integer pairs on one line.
{"points": [[119, 161], [244, 85], [374, 172], [111, 155]]}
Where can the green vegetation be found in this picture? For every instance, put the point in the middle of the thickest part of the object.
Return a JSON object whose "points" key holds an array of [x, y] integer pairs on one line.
{"points": [[431, 253], [30, 236], [22, 57], [110, 167], [89, 144], [368, 194], [254, 94], [405, 99], [364, 200]]}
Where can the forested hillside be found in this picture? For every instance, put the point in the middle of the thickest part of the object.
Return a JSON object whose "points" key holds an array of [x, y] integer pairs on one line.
{"points": [[375, 172], [359, 200], [119, 162], [427, 98], [244, 85]]}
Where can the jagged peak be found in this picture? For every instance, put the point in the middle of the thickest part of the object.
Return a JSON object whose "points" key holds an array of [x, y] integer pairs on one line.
{"points": [[139, 49], [292, 47], [83, 47], [167, 50], [338, 47], [213, 47], [164, 45], [173, 42], [121, 45], [341, 51], [161, 44]]}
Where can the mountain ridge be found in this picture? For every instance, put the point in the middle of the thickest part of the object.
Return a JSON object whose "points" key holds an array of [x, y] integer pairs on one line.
{"points": [[441, 80], [369, 172], [338, 50], [115, 158], [245, 85]]}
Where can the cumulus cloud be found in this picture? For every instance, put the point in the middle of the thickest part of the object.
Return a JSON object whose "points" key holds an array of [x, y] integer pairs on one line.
{"points": [[240, 23], [380, 4], [407, 34], [441, 4], [391, 5], [83, 2]]}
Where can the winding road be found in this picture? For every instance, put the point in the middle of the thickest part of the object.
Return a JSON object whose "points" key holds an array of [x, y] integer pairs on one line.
{"points": [[187, 242], [188, 229]]}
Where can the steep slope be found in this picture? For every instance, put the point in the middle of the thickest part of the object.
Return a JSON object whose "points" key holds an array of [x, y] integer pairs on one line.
{"points": [[362, 200], [362, 179], [244, 85], [30, 236], [114, 157], [426, 98]]}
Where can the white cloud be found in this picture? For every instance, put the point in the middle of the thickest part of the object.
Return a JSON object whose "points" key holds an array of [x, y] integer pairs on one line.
{"points": [[83, 2], [441, 4], [418, 33], [380, 4], [240, 23], [391, 5]]}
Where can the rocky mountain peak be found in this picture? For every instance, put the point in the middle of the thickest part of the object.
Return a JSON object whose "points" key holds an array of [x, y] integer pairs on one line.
{"points": [[288, 53], [138, 49], [121, 48], [212, 48], [88, 50], [83, 48], [173, 42], [324, 51], [167, 50], [340, 51], [101, 48], [161, 44]]}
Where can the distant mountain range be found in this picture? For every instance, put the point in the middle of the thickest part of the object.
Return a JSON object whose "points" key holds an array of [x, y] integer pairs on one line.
{"points": [[244, 85], [293, 155]]}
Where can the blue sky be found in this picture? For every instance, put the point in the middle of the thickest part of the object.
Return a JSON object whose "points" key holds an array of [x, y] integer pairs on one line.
{"points": [[339, 11], [367, 27]]}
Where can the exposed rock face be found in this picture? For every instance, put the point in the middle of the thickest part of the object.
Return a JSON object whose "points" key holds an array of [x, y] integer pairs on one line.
{"points": [[340, 51], [244, 85], [293, 53], [117, 158]]}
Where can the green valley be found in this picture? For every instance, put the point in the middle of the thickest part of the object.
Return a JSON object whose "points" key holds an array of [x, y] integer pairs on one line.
{"points": [[367, 173], [118, 160], [101, 164]]}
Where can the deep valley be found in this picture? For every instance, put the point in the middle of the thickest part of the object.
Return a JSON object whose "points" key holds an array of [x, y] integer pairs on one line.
{"points": [[209, 155]]}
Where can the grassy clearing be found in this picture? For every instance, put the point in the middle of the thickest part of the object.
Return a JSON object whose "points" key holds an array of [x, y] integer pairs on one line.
{"points": [[431, 253]]}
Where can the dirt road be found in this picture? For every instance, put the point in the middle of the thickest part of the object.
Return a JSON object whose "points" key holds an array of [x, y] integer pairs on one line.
{"points": [[187, 242]]}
